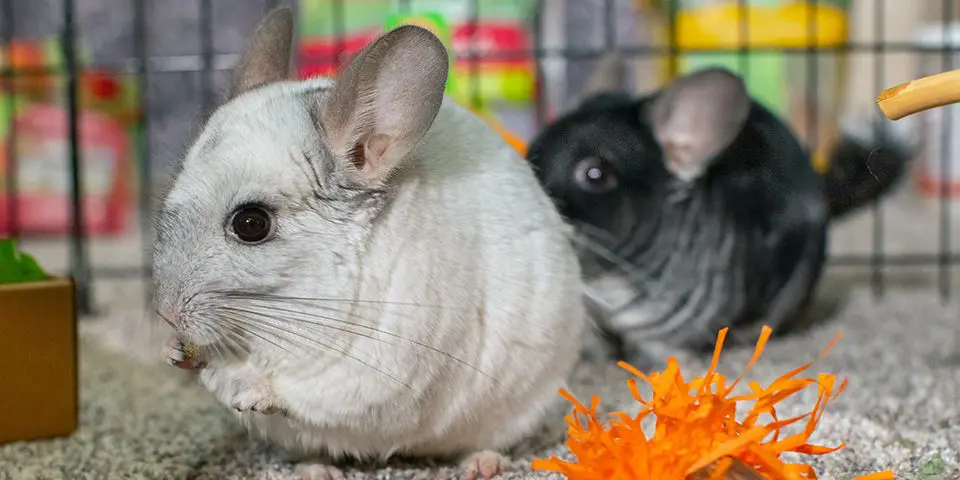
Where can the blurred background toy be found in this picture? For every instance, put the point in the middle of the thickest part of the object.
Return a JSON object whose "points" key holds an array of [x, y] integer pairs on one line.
{"points": [[779, 80], [109, 113], [745, 37], [497, 79]]}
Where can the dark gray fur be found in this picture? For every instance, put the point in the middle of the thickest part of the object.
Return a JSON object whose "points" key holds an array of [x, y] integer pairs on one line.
{"points": [[739, 242]]}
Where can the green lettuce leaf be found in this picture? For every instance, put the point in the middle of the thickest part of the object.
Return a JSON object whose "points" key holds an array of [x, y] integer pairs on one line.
{"points": [[16, 266]]}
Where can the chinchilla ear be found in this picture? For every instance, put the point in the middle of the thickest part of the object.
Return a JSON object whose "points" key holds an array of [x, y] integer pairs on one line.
{"points": [[383, 103], [267, 57], [610, 76], [696, 117]]}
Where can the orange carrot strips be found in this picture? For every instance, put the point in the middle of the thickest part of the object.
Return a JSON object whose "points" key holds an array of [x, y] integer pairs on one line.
{"points": [[696, 429]]}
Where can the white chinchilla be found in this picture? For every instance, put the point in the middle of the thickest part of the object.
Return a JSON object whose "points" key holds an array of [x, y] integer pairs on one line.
{"points": [[365, 267]]}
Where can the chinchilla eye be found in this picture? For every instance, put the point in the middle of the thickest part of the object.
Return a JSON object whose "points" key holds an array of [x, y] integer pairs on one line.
{"points": [[595, 175], [252, 224]]}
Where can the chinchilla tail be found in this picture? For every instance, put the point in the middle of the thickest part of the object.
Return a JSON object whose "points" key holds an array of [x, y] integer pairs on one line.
{"points": [[865, 164]]}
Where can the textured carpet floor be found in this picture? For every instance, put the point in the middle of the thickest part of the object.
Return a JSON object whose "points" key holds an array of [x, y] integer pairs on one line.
{"points": [[141, 419]]}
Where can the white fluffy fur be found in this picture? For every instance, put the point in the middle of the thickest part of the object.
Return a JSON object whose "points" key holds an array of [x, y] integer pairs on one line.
{"points": [[467, 233]]}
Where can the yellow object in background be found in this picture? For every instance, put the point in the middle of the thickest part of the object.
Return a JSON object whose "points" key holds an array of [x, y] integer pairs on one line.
{"points": [[778, 80], [796, 24]]}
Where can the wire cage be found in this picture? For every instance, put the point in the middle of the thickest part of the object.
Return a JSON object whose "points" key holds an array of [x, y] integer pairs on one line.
{"points": [[209, 34]]}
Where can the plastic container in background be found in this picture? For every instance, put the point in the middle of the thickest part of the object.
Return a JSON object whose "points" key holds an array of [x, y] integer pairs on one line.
{"points": [[29, 55], [778, 79], [43, 175], [931, 175], [109, 134]]}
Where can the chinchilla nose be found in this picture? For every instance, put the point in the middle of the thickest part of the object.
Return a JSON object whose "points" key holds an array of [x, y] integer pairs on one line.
{"points": [[169, 309], [171, 317]]}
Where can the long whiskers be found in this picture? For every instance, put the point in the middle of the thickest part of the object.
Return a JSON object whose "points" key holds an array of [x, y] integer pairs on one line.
{"points": [[233, 340], [260, 328], [318, 320], [632, 272], [242, 326], [242, 294], [276, 320], [589, 230], [585, 237], [261, 319], [248, 311], [338, 305]]}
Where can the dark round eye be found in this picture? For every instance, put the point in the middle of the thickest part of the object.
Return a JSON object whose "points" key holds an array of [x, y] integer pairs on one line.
{"points": [[252, 224], [595, 175]]}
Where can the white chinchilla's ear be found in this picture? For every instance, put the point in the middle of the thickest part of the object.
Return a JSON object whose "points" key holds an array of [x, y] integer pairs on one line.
{"points": [[266, 58], [696, 117], [384, 101]]}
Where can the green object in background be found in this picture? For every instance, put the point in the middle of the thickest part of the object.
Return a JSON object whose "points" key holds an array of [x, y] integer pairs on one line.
{"points": [[321, 18], [932, 469], [769, 23], [763, 72], [5, 120], [16, 266], [323, 21]]}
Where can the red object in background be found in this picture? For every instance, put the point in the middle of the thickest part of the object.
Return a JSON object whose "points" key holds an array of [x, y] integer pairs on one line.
{"points": [[101, 85], [43, 192], [27, 56], [318, 57], [931, 186], [509, 41]]}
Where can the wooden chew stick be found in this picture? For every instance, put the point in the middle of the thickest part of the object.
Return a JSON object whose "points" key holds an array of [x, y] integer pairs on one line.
{"points": [[920, 94]]}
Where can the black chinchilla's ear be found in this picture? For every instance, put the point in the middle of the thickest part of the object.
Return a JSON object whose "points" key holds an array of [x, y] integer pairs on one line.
{"points": [[609, 77], [607, 86], [698, 116]]}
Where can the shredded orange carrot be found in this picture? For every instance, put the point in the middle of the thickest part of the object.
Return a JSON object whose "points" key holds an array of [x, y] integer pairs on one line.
{"points": [[696, 427]]}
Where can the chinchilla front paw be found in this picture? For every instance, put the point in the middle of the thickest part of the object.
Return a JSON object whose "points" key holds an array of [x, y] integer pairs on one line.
{"points": [[255, 397], [182, 355]]}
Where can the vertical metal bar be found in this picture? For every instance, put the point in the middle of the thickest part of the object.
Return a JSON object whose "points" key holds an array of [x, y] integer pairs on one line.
{"points": [[476, 98], [947, 151], [812, 91], [609, 30], [143, 138], [206, 52], [339, 32], [877, 278], [79, 263], [743, 38], [672, 40], [10, 112], [609, 24], [297, 34], [539, 95]]}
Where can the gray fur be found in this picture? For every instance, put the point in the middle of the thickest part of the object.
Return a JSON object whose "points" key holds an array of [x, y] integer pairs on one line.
{"points": [[389, 300], [266, 58]]}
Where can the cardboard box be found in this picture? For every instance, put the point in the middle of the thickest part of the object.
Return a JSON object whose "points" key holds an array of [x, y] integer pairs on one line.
{"points": [[38, 360]]}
